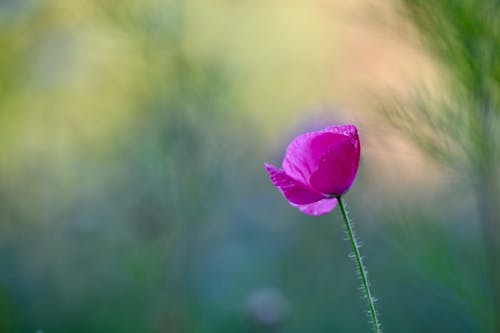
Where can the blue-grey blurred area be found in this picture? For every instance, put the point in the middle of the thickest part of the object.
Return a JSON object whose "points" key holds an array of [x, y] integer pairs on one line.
{"points": [[133, 196]]}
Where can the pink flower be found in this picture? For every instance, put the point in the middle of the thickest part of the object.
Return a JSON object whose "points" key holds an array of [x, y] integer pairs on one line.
{"points": [[318, 167]]}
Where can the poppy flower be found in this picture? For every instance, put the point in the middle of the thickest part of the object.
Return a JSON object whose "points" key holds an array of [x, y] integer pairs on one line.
{"points": [[318, 168]]}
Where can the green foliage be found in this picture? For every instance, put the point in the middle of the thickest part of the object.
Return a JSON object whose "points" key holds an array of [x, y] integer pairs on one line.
{"points": [[460, 125]]}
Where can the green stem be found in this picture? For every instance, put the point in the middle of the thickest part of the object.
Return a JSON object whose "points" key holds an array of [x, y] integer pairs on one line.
{"points": [[362, 270]]}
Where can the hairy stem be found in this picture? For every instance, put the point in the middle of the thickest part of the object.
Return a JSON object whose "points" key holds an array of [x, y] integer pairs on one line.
{"points": [[361, 268]]}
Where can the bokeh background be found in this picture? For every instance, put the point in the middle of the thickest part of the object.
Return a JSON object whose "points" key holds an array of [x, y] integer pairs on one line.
{"points": [[133, 135]]}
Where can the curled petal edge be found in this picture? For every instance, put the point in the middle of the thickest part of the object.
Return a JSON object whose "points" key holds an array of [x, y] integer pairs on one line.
{"points": [[294, 191], [319, 207]]}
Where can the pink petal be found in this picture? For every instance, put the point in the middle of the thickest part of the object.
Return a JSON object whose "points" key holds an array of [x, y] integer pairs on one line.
{"points": [[337, 168], [303, 154], [318, 208], [294, 191], [347, 130]]}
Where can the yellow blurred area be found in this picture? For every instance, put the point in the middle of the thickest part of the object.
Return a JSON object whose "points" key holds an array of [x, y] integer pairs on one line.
{"points": [[85, 68]]}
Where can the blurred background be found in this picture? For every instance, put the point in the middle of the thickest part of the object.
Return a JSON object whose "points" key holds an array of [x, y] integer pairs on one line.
{"points": [[133, 135]]}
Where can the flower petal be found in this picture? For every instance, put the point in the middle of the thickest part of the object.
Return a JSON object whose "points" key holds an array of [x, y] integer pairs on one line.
{"points": [[349, 131], [294, 191], [303, 154], [318, 208], [337, 168]]}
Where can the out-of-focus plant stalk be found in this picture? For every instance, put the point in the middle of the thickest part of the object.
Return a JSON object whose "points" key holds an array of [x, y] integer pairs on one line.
{"points": [[487, 193]]}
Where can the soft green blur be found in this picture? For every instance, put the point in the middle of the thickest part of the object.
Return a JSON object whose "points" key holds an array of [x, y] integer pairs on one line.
{"points": [[133, 196]]}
